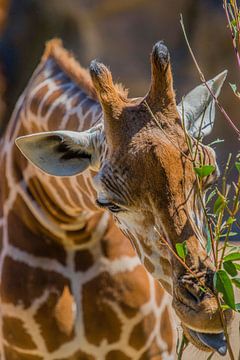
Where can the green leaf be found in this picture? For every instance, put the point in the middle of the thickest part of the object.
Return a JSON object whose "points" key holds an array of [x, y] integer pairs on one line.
{"points": [[181, 249], [236, 282], [230, 220], [224, 286], [204, 170], [237, 307], [225, 307], [234, 89], [233, 86], [210, 196], [237, 266], [232, 257], [219, 204], [237, 164], [229, 235], [230, 268], [209, 243]]}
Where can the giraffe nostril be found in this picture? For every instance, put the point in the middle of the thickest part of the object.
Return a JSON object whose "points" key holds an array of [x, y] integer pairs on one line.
{"points": [[192, 290]]}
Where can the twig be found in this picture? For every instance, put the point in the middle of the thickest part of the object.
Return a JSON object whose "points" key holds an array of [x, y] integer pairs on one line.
{"points": [[202, 78], [181, 261], [225, 6]]}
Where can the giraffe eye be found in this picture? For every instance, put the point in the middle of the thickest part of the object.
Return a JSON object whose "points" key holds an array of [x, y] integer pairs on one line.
{"points": [[110, 206]]}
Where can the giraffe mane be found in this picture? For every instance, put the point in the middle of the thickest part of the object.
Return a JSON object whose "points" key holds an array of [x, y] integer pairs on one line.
{"points": [[68, 63]]}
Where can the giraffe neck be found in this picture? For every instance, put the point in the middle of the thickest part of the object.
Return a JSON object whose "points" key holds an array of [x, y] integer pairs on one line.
{"points": [[48, 312], [53, 101]]}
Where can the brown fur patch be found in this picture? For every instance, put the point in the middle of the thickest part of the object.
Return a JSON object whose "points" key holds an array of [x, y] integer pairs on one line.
{"points": [[153, 353], [100, 320], [1, 239], [37, 99], [83, 260], [166, 329], [149, 265], [19, 164], [26, 234], [11, 354], [4, 186], [31, 284], [56, 115], [51, 332], [73, 122], [117, 355], [50, 100], [114, 244], [166, 266], [15, 333], [132, 290], [159, 292], [141, 331], [79, 355]]}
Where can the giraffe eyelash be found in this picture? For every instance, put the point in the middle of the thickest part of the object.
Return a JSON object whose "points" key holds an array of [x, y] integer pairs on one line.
{"points": [[110, 206]]}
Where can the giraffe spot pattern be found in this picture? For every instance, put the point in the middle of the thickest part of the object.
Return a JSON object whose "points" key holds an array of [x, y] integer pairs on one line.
{"points": [[50, 328], [79, 355], [153, 353], [51, 99], [31, 282], [42, 194], [15, 333], [30, 236], [84, 235], [166, 330], [141, 331]]}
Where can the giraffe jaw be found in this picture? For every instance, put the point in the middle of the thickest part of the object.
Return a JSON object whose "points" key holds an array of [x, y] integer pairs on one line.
{"points": [[214, 342]]}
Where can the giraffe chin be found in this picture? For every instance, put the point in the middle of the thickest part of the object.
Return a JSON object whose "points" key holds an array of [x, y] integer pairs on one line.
{"points": [[207, 342]]}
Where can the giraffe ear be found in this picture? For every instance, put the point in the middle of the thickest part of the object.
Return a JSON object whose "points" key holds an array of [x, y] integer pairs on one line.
{"points": [[61, 153], [199, 107]]}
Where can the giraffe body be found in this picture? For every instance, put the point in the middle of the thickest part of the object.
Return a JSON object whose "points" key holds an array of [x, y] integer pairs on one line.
{"points": [[72, 286], [144, 154]]}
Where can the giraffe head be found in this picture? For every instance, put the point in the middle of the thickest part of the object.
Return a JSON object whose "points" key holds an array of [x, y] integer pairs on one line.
{"points": [[145, 178]]}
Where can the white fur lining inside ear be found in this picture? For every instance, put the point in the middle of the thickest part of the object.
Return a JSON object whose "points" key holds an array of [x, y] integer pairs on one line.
{"points": [[59, 153], [197, 108]]}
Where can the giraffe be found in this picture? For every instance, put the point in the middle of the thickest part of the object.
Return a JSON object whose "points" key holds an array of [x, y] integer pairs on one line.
{"points": [[72, 286], [145, 179]]}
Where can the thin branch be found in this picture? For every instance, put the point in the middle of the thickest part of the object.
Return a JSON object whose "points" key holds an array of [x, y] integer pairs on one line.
{"points": [[202, 78]]}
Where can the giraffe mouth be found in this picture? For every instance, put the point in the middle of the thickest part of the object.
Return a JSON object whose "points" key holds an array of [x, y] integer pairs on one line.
{"points": [[214, 342]]}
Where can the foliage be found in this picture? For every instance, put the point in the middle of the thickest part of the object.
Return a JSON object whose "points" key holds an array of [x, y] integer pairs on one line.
{"points": [[222, 204]]}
